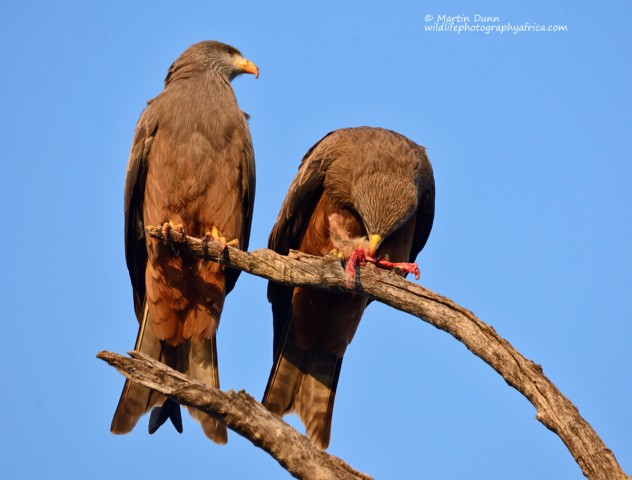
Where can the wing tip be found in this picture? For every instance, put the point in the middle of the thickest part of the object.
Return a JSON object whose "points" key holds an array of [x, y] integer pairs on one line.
{"points": [[169, 410]]}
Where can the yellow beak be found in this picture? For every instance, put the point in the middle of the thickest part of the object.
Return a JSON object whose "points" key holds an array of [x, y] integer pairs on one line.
{"points": [[247, 66], [374, 243]]}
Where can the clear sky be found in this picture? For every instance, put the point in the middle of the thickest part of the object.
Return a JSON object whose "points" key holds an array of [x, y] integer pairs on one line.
{"points": [[529, 136]]}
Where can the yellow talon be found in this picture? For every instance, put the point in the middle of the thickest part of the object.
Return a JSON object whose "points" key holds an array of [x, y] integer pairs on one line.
{"points": [[214, 233], [336, 253], [166, 230]]}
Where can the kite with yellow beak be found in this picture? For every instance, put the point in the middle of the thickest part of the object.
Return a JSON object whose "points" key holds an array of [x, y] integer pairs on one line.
{"points": [[247, 66], [374, 243]]}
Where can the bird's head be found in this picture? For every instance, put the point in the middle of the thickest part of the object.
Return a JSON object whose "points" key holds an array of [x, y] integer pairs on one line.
{"points": [[210, 55], [229, 61], [384, 201]]}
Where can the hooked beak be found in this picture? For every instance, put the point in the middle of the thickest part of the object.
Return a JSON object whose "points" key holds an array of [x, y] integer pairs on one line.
{"points": [[247, 66], [374, 243]]}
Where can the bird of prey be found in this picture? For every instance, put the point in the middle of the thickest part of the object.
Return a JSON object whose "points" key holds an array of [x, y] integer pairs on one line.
{"points": [[191, 168], [359, 188]]}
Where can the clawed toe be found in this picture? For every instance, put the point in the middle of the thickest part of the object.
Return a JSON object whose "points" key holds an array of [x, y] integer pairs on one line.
{"points": [[215, 236], [166, 230], [168, 227]]}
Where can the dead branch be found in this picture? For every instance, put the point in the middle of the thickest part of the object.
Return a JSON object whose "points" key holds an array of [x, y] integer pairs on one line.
{"points": [[241, 413], [554, 410]]}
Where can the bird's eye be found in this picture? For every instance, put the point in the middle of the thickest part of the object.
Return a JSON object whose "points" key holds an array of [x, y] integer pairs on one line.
{"points": [[230, 51]]}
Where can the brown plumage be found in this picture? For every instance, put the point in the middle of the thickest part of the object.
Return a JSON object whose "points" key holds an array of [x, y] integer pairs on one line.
{"points": [[191, 164], [364, 188]]}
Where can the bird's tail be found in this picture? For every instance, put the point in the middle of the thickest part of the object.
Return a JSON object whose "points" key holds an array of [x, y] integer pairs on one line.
{"points": [[305, 382], [202, 366], [136, 400], [196, 358]]}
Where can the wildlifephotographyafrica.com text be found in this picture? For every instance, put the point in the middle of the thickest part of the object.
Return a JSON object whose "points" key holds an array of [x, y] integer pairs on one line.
{"points": [[486, 24]]}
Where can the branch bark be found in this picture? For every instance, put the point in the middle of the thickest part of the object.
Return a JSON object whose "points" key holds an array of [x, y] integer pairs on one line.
{"points": [[554, 410], [241, 413]]}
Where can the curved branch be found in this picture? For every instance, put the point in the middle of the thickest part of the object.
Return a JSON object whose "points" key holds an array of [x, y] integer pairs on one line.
{"points": [[554, 410], [241, 413]]}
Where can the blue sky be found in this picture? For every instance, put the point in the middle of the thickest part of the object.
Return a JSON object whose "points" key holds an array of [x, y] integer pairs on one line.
{"points": [[529, 139]]}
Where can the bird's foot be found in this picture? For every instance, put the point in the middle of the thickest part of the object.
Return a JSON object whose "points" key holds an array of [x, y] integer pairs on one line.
{"points": [[338, 254], [214, 235], [166, 231], [168, 227]]}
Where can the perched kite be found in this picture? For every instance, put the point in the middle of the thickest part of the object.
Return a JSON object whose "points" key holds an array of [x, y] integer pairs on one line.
{"points": [[359, 190], [191, 169]]}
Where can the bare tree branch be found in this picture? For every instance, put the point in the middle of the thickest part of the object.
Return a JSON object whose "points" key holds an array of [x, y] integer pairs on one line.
{"points": [[554, 410], [241, 413]]}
